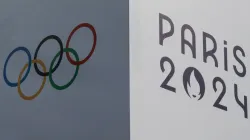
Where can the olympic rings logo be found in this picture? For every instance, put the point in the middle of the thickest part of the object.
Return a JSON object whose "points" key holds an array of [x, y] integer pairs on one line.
{"points": [[52, 68]]}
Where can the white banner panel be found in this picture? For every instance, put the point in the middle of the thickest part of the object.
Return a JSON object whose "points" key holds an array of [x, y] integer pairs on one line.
{"points": [[189, 69]]}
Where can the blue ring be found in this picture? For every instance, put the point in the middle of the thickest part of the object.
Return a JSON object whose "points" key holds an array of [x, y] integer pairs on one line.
{"points": [[6, 62]]}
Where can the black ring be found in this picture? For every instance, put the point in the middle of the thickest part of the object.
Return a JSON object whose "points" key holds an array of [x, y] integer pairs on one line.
{"points": [[60, 57]]}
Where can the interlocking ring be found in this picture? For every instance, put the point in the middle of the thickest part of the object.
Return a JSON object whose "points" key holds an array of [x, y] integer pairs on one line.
{"points": [[93, 46], [76, 72], [19, 81], [52, 68], [59, 60], [11, 84]]}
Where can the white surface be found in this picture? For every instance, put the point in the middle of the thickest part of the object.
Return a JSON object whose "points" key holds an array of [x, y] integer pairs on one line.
{"points": [[160, 114]]}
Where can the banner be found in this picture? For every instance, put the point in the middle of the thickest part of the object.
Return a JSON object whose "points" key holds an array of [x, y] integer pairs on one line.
{"points": [[124, 70], [189, 70], [65, 70]]}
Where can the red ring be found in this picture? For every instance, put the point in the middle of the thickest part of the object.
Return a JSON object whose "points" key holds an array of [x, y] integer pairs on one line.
{"points": [[93, 47]]}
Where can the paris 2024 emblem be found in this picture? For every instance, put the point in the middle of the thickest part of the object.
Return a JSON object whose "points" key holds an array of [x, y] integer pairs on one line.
{"points": [[193, 83]]}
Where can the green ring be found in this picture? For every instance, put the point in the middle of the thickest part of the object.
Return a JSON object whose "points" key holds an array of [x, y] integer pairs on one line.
{"points": [[54, 85]]}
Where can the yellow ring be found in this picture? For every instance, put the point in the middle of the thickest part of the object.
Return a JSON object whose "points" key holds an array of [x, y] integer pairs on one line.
{"points": [[20, 77]]}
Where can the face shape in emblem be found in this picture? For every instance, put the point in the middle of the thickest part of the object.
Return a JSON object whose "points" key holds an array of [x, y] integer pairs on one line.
{"points": [[193, 83]]}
